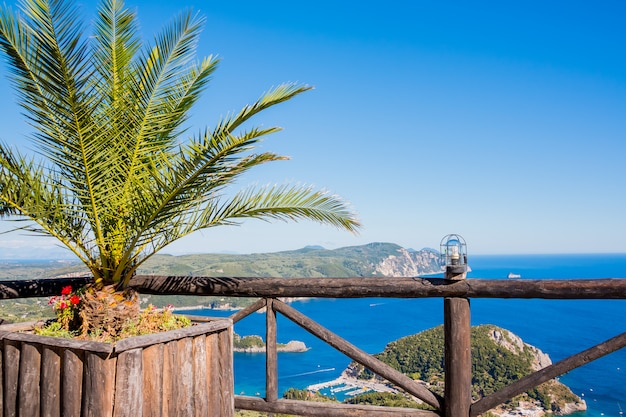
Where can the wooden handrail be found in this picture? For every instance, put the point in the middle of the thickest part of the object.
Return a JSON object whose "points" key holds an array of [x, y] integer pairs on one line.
{"points": [[359, 287], [388, 287]]}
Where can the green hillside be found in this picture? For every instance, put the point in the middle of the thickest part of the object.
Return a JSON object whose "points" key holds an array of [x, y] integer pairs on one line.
{"points": [[307, 262], [37, 269]]}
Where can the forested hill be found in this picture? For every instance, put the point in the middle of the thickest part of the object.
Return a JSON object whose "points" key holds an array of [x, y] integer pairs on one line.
{"points": [[374, 259], [499, 358]]}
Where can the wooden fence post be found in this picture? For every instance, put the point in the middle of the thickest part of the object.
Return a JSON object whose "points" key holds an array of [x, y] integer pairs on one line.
{"points": [[271, 383], [458, 357]]}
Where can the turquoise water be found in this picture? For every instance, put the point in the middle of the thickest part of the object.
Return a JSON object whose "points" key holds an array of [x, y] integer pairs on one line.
{"points": [[558, 327]]}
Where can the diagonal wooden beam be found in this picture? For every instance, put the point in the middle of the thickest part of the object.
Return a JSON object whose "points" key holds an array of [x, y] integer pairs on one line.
{"points": [[547, 373], [259, 304], [396, 287]]}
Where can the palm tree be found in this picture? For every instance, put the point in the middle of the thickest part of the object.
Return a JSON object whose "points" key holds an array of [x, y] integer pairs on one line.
{"points": [[112, 178]]}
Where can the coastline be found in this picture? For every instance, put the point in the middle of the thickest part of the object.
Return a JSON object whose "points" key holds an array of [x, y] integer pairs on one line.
{"points": [[229, 306]]}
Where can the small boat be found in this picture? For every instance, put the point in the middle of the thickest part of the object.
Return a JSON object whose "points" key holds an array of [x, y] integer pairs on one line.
{"points": [[513, 276]]}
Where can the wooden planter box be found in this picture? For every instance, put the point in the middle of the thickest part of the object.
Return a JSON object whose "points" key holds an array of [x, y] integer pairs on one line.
{"points": [[180, 373]]}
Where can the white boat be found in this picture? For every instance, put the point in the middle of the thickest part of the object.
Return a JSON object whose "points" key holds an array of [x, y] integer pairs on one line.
{"points": [[513, 276]]}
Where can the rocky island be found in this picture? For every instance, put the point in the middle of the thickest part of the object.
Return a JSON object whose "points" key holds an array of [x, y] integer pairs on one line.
{"points": [[499, 357], [255, 344]]}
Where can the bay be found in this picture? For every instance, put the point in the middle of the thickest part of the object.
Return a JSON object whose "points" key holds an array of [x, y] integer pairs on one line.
{"points": [[558, 327]]}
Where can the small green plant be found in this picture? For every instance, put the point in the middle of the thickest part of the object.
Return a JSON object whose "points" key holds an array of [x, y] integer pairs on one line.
{"points": [[153, 320], [55, 329], [72, 320]]}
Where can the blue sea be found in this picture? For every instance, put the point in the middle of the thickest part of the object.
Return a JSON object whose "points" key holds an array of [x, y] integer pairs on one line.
{"points": [[560, 328]]}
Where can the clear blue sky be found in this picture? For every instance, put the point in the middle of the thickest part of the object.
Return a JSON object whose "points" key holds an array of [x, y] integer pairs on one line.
{"points": [[504, 122]]}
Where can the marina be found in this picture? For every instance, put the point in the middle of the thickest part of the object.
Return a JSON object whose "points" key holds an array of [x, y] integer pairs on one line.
{"points": [[343, 387]]}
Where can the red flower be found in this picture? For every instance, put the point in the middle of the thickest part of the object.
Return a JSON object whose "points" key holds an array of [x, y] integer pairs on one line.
{"points": [[62, 305], [66, 290], [74, 299]]}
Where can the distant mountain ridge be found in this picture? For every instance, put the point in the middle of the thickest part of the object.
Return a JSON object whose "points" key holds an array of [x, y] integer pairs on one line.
{"points": [[373, 259]]}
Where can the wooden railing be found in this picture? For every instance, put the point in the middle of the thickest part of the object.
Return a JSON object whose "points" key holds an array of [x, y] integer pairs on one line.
{"points": [[456, 401]]}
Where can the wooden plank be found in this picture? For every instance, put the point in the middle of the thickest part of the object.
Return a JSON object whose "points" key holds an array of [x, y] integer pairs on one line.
{"points": [[11, 357], [1, 378], [213, 374], [153, 381], [547, 373], [50, 382], [216, 376], [271, 358], [29, 393], [226, 371], [365, 359], [98, 392], [170, 385], [164, 337], [308, 408], [184, 378], [200, 389], [458, 357], [72, 378], [6, 329], [129, 384], [61, 342], [396, 287]]}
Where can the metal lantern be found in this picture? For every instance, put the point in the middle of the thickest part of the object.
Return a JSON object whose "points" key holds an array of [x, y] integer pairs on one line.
{"points": [[453, 250]]}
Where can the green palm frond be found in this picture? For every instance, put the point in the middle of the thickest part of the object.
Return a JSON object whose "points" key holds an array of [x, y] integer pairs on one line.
{"points": [[275, 96], [28, 191], [287, 202], [112, 179]]}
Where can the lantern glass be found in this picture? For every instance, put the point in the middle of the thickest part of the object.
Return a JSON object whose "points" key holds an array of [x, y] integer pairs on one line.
{"points": [[453, 250]]}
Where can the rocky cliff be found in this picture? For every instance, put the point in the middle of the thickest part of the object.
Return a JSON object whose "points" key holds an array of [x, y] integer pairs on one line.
{"points": [[408, 264]]}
